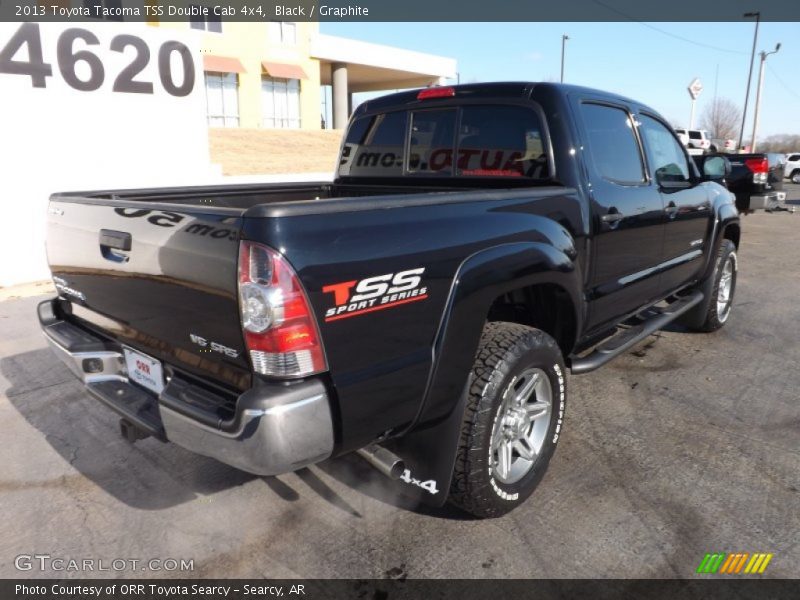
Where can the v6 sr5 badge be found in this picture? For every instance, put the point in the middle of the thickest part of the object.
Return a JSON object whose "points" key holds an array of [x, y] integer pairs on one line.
{"points": [[359, 297]]}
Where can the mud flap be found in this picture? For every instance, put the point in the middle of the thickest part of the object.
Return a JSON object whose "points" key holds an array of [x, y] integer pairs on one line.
{"points": [[429, 453]]}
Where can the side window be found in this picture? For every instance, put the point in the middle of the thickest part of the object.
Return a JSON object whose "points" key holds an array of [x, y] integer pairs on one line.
{"points": [[430, 149], [612, 143], [665, 154], [501, 141], [374, 146], [794, 157]]}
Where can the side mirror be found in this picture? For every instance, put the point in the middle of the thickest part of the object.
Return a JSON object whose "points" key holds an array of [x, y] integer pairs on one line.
{"points": [[716, 168]]}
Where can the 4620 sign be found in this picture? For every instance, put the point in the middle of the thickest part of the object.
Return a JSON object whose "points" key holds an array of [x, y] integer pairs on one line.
{"points": [[75, 46]]}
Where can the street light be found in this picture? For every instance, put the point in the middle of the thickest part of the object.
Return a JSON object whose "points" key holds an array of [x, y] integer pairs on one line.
{"points": [[757, 15], [764, 56], [564, 39]]}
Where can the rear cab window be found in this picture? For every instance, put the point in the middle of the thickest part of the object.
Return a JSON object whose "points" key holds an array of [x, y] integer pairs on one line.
{"points": [[467, 141]]}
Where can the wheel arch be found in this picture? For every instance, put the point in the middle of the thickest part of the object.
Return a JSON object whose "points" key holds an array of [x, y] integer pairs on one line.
{"points": [[429, 445], [546, 306], [733, 233]]}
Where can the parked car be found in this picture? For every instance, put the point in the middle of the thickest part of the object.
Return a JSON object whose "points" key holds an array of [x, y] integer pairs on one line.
{"points": [[698, 139], [422, 309], [722, 145], [682, 136], [755, 179], [792, 168]]}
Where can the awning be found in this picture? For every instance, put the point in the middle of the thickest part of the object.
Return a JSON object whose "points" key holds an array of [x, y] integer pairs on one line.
{"points": [[283, 70], [222, 64]]}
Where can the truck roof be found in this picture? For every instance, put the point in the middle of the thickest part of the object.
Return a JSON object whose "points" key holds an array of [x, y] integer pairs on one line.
{"points": [[497, 89]]}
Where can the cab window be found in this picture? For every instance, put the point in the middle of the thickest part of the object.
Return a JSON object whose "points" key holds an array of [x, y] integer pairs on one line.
{"points": [[664, 152], [612, 144]]}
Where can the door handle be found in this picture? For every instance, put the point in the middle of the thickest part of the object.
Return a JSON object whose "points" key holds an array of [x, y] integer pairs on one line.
{"points": [[671, 209], [612, 217], [113, 245], [121, 240]]}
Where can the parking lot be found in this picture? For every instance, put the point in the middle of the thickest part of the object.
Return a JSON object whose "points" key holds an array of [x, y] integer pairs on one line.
{"points": [[688, 444]]}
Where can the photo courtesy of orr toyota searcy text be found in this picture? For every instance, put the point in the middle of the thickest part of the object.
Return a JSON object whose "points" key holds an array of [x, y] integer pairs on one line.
{"points": [[158, 590]]}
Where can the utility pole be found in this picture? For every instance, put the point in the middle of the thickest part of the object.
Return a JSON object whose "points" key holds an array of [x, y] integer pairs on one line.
{"points": [[564, 39], [764, 56], [757, 15]]}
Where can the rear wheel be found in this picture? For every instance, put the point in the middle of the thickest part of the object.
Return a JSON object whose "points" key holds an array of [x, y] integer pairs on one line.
{"points": [[512, 421]]}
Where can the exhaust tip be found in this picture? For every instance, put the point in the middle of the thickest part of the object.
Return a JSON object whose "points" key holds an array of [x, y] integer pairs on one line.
{"points": [[397, 469], [385, 461]]}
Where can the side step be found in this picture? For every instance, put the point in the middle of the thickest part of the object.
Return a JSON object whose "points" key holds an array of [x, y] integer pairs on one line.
{"points": [[625, 339]]}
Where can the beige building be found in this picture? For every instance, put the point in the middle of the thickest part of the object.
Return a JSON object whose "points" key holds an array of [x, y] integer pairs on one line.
{"points": [[273, 74]]}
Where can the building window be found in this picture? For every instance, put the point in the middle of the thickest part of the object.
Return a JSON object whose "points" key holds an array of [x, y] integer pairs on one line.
{"points": [[280, 102], [222, 100], [283, 32], [212, 23]]}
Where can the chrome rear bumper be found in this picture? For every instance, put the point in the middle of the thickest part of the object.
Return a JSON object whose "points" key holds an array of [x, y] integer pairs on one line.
{"points": [[276, 428]]}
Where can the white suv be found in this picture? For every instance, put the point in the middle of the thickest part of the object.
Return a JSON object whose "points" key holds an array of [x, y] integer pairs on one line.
{"points": [[697, 139], [683, 136], [792, 168]]}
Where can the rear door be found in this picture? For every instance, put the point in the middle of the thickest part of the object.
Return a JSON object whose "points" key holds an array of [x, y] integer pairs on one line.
{"points": [[162, 280], [685, 198], [627, 213]]}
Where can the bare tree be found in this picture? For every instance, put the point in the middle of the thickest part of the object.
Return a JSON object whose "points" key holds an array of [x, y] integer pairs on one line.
{"points": [[722, 118], [786, 143]]}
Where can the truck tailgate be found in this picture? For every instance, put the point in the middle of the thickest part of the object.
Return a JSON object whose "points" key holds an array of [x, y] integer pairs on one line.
{"points": [[160, 279]]}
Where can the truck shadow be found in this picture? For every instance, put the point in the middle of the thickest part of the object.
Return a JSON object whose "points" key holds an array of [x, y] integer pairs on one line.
{"points": [[147, 475], [150, 475]]}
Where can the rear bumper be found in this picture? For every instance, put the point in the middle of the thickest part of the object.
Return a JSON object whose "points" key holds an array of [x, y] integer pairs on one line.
{"points": [[276, 428], [764, 201]]}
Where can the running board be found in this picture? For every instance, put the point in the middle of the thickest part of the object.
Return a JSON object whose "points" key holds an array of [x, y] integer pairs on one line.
{"points": [[622, 341]]}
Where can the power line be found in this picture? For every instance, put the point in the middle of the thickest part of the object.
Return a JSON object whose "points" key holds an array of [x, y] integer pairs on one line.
{"points": [[672, 35], [786, 87]]}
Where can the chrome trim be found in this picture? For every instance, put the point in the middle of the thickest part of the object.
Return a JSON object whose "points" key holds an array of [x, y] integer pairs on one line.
{"points": [[762, 201], [683, 258], [286, 433], [277, 428], [113, 363]]}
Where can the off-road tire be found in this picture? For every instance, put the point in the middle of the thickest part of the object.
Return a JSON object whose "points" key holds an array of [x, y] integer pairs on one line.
{"points": [[506, 350]]}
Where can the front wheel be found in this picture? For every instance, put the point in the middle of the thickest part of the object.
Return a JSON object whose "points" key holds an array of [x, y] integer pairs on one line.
{"points": [[796, 176], [513, 419], [724, 278]]}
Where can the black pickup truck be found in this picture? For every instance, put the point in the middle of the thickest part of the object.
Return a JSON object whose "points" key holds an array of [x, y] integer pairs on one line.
{"points": [[424, 308], [755, 179]]}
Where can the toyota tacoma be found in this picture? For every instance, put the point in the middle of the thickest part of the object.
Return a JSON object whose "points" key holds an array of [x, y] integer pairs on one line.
{"points": [[477, 244]]}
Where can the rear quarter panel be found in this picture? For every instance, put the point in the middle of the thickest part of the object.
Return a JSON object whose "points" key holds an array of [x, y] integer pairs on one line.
{"points": [[381, 360]]}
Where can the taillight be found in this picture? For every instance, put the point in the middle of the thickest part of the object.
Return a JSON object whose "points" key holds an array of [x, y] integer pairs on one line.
{"points": [[280, 331], [436, 92], [759, 167]]}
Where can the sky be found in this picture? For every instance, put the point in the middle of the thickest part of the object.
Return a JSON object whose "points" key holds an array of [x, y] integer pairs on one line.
{"points": [[650, 62]]}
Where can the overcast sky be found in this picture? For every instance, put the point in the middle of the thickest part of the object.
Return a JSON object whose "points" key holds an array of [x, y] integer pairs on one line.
{"points": [[651, 62]]}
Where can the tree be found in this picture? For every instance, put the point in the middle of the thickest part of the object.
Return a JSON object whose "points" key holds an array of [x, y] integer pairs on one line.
{"points": [[722, 118], [786, 143]]}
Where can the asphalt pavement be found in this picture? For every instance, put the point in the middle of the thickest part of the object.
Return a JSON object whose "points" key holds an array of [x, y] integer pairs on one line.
{"points": [[688, 444]]}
